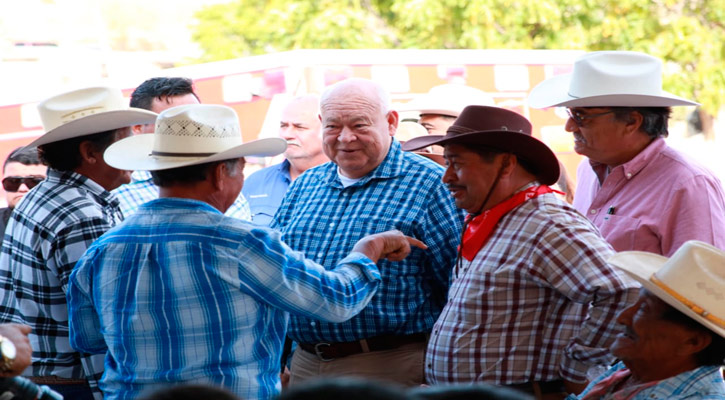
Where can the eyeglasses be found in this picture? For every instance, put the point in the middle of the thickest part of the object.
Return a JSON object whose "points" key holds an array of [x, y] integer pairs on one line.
{"points": [[12, 183], [579, 118]]}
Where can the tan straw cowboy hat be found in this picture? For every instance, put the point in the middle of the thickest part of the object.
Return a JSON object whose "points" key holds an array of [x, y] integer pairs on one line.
{"points": [[498, 129], [692, 280], [408, 130], [186, 135], [608, 79], [448, 99], [87, 111]]}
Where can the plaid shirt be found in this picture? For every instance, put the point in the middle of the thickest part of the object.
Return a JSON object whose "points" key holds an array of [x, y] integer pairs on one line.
{"points": [[704, 383], [47, 233], [179, 293], [142, 189], [321, 218], [537, 303]]}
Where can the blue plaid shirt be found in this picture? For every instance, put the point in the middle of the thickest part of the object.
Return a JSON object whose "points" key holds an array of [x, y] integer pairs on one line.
{"points": [[47, 233], [321, 218], [142, 189], [179, 293], [700, 383]]}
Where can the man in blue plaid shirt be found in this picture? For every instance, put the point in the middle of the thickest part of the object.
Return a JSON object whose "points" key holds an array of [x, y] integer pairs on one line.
{"points": [[181, 294], [56, 222], [370, 185]]}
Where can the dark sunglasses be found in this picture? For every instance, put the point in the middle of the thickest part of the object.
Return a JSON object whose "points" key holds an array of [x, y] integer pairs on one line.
{"points": [[12, 183]]}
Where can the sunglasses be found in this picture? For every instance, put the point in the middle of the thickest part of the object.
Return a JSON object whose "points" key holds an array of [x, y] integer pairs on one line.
{"points": [[12, 183], [579, 118]]}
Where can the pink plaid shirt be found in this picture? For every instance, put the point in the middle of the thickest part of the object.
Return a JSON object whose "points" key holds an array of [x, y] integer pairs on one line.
{"points": [[537, 303]]}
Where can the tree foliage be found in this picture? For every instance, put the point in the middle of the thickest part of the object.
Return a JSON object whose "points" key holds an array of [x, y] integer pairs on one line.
{"points": [[688, 34]]}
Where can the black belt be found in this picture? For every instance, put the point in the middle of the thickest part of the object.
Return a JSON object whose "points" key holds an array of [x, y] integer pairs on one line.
{"points": [[546, 387], [330, 351]]}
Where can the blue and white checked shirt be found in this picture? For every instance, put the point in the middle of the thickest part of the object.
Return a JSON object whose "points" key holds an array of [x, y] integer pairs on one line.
{"points": [[179, 293], [704, 383], [324, 220], [142, 189], [47, 233]]}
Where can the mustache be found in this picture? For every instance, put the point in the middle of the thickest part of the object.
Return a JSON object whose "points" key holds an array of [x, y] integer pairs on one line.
{"points": [[293, 143]]}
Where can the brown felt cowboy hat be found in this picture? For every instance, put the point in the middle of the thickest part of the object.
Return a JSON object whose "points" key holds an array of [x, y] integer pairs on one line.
{"points": [[499, 129]]}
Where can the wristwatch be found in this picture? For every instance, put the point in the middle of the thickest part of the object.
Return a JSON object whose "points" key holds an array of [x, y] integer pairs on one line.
{"points": [[7, 353]]}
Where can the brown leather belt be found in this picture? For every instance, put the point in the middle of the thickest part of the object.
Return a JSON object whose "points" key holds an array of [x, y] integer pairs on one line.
{"points": [[330, 351], [54, 380], [539, 388]]}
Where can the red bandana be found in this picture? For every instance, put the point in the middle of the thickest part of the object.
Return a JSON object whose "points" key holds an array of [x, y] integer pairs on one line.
{"points": [[480, 227]]}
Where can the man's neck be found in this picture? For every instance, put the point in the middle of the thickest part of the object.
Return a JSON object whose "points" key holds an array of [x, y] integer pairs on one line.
{"points": [[299, 165]]}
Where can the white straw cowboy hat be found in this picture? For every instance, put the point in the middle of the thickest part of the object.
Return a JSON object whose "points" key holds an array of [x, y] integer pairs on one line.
{"points": [[87, 111], [692, 280], [186, 135], [608, 79], [448, 99]]}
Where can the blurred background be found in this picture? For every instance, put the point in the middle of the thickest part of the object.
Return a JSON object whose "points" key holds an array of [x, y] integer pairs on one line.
{"points": [[254, 55]]}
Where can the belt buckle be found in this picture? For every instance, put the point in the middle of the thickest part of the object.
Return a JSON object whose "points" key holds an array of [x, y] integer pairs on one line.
{"points": [[319, 354]]}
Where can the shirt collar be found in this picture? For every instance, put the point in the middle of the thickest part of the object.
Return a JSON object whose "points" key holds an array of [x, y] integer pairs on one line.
{"points": [[283, 169], [71, 178], [140, 176], [636, 164], [391, 167]]}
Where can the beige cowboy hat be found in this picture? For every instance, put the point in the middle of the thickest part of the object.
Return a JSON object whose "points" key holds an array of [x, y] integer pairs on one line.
{"points": [[408, 130], [87, 111], [499, 129], [692, 280], [186, 135], [448, 99], [608, 79]]}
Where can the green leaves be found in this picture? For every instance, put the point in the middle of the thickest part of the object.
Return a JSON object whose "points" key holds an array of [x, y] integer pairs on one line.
{"points": [[688, 34]]}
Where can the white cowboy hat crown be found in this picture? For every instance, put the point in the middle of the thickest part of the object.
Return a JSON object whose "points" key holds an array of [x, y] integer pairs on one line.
{"points": [[608, 79], [692, 280], [186, 135], [448, 99], [87, 111]]}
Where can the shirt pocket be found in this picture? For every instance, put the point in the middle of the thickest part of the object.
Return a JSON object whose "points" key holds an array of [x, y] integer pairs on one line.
{"points": [[620, 231]]}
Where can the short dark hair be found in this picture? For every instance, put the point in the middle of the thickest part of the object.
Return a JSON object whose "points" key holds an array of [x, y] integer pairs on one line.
{"points": [[188, 175], [159, 88], [348, 388], [65, 155], [191, 392], [23, 156], [654, 119], [714, 354], [489, 153]]}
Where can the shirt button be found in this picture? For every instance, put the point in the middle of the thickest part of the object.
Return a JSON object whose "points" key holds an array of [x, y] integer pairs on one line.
{"points": [[313, 323], [332, 224], [319, 255], [629, 174], [593, 211]]}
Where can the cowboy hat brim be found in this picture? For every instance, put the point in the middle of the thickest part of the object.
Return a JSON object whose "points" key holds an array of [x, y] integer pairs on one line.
{"points": [[554, 92], [528, 148], [135, 153], [95, 123], [641, 266]]}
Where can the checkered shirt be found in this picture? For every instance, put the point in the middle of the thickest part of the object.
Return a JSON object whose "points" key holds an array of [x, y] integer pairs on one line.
{"points": [[703, 383], [142, 189], [47, 233], [179, 293], [537, 303], [321, 218]]}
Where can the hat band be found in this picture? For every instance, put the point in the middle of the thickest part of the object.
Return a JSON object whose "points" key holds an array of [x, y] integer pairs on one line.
{"points": [[165, 154], [692, 306]]}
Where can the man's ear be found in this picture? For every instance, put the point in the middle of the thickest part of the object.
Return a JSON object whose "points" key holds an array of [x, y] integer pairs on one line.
{"points": [[217, 174], [634, 122], [696, 342], [136, 129], [88, 152], [393, 119]]}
